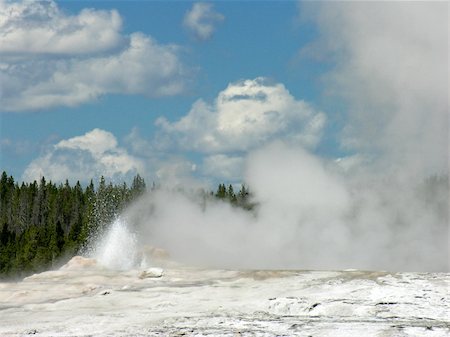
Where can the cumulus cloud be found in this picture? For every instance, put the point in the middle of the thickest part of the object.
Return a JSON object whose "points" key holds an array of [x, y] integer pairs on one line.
{"points": [[41, 27], [84, 157], [245, 115], [391, 66], [201, 20], [88, 57]]}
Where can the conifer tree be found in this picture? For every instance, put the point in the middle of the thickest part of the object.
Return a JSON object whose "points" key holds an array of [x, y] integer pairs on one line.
{"points": [[40, 222]]}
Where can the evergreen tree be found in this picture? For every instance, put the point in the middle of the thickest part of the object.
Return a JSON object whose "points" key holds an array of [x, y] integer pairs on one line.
{"points": [[138, 186], [40, 222], [221, 192], [231, 196]]}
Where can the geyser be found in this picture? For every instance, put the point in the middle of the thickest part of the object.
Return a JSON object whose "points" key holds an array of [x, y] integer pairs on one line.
{"points": [[116, 249], [309, 215]]}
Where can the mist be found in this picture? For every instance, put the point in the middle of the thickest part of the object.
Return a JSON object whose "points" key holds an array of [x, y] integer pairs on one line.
{"points": [[383, 206], [310, 214]]}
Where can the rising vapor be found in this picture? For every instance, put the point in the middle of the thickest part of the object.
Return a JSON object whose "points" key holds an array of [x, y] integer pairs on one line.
{"points": [[384, 207], [310, 215]]}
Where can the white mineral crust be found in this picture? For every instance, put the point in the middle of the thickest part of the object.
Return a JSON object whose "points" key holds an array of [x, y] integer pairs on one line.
{"points": [[84, 299]]}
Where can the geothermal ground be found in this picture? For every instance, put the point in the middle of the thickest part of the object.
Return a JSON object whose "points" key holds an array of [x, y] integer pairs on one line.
{"points": [[84, 299]]}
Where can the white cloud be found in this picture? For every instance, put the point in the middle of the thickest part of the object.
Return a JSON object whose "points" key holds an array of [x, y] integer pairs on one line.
{"points": [[245, 115], [392, 68], [201, 20], [84, 157], [16, 147], [224, 167], [41, 27], [96, 141], [139, 145], [76, 72]]}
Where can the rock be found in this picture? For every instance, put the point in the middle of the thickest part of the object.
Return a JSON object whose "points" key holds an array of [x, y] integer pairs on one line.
{"points": [[79, 262], [151, 273]]}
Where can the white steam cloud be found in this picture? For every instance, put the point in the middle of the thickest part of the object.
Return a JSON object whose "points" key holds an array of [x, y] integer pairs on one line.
{"points": [[373, 210], [309, 216], [391, 67]]}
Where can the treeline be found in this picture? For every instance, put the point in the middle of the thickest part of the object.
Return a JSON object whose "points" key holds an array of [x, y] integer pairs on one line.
{"points": [[240, 199], [41, 222]]}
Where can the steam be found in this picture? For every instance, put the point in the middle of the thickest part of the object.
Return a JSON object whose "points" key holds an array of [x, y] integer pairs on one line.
{"points": [[310, 215], [391, 69], [371, 210]]}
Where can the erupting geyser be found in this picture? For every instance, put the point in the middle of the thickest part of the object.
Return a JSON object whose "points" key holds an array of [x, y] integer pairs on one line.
{"points": [[117, 248]]}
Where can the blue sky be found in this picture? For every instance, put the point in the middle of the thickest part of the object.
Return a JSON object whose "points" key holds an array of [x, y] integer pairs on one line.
{"points": [[176, 90]]}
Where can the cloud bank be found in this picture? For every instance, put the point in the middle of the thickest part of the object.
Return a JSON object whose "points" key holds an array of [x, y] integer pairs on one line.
{"points": [[243, 117], [50, 58]]}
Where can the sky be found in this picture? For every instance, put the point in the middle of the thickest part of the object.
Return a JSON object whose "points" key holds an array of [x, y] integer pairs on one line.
{"points": [[187, 91]]}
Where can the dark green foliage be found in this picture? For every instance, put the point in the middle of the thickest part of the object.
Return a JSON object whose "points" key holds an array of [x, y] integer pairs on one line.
{"points": [[138, 186], [221, 192], [241, 199], [41, 222], [231, 196]]}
